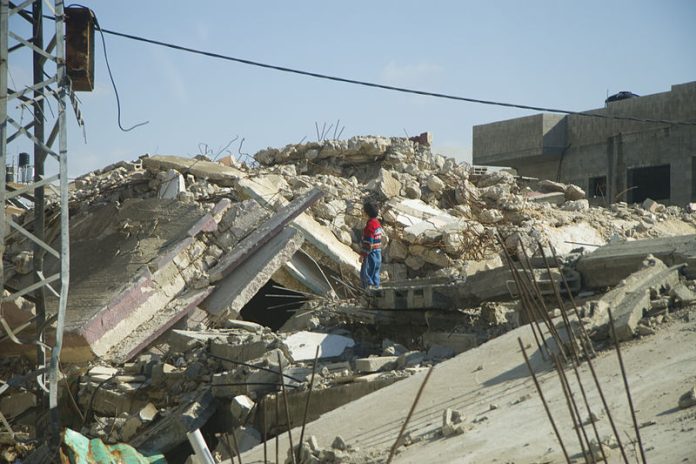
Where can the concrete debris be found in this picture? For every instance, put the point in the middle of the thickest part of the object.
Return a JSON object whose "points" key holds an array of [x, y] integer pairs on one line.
{"points": [[631, 298], [688, 399], [191, 277]]}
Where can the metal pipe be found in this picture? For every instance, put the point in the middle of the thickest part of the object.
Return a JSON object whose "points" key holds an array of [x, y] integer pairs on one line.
{"points": [[200, 448], [543, 401], [410, 413], [628, 391]]}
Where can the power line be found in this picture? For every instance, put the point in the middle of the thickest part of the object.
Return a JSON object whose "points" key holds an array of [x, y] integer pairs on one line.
{"points": [[386, 87]]}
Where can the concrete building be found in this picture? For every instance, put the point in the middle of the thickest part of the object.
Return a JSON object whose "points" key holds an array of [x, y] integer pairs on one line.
{"points": [[614, 160]]}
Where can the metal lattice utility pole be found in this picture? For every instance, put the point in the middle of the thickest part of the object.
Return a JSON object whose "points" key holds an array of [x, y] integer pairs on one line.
{"points": [[42, 102]]}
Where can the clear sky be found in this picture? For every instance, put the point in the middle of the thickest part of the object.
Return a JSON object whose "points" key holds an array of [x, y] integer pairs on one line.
{"points": [[553, 53]]}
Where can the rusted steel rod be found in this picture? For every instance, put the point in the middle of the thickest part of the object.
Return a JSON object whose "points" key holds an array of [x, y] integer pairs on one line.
{"points": [[604, 403], [543, 400], [306, 408], [628, 391], [265, 433], [585, 336], [287, 410], [533, 324], [410, 413], [573, 410], [544, 310], [236, 447], [277, 421], [589, 412], [561, 305]]}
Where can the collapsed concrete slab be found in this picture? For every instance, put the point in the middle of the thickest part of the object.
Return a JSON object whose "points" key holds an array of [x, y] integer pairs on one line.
{"points": [[143, 253], [332, 252], [225, 176], [608, 265], [234, 290], [631, 298]]}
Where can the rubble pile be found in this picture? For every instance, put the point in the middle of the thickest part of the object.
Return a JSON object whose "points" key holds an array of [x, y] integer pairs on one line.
{"points": [[173, 259]]}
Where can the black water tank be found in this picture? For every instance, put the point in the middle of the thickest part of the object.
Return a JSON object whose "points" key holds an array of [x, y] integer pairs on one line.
{"points": [[24, 159]]}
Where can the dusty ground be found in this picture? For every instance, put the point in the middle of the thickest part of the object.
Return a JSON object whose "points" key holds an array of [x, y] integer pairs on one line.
{"points": [[660, 368]]}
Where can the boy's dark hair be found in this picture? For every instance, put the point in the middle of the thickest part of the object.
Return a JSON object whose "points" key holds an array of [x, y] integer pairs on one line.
{"points": [[371, 209]]}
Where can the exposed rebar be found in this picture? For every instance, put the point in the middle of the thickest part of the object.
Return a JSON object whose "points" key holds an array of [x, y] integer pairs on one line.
{"points": [[287, 410], [410, 413], [573, 410], [309, 394], [532, 322], [543, 400], [584, 333], [628, 391]]}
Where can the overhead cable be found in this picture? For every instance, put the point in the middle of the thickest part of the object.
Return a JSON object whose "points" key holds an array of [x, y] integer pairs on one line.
{"points": [[388, 87]]}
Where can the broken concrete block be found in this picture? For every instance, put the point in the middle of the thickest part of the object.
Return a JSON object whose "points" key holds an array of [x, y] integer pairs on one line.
{"points": [[386, 185], [410, 359], [576, 205], [148, 413], [240, 408], [14, 404], [163, 435], [682, 295], [302, 345], [688, 399], [375, 364], [339, 443], [172, 185], [459, 342], [435, 184], [440, 352], [573, 192], [652, 206], [215, 172], [628, 300], [554, 198], [490, 216], [547, 186], [243, 352]]}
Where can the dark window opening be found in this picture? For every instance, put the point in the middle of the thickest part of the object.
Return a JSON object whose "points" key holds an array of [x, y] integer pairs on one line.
{"points": [[597, 187], [650, 182], [272, 306]]}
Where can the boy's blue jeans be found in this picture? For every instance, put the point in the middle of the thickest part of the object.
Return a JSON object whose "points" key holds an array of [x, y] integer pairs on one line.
{"points": [[369, 271]]}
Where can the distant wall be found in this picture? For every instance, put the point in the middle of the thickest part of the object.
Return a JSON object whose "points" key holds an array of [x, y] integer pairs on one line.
{"points": [[594, 147]]}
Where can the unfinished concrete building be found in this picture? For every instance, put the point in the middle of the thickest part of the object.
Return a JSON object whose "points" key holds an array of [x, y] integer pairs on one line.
{"points": [[613, 159]]}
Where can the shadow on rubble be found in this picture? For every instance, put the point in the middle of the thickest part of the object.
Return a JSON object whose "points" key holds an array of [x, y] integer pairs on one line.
{"points": [[521, 371], [272, 306]]}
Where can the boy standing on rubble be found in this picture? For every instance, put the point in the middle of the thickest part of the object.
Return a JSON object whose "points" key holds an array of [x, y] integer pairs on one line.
{"points": [[371, 247]]}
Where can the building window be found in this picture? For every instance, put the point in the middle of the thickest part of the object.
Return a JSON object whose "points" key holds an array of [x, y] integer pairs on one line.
{"points": [[597, 187], [650, 182]]}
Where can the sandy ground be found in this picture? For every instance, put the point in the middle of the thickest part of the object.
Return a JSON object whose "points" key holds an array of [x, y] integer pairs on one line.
{"points": [[516, 430]]}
